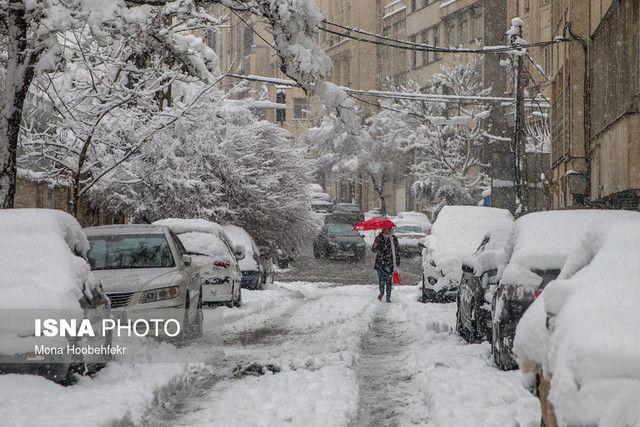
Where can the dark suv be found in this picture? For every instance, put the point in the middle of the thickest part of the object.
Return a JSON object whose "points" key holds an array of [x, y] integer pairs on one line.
{"points": [[336, 240]]}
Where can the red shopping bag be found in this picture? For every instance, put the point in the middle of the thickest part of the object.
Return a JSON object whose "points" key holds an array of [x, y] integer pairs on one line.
{"points": [[396, 278]]}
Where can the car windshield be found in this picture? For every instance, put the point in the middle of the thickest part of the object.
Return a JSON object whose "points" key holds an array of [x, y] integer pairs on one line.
{"points": [[124, 251], [408, 229], [341, 230]]}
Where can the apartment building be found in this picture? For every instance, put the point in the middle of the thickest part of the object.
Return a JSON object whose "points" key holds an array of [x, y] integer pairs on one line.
{"points": [[595, 104], [244, 47]]}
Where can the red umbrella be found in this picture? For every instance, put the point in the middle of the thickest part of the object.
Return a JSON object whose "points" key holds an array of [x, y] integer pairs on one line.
{"points": [[373, 224]]}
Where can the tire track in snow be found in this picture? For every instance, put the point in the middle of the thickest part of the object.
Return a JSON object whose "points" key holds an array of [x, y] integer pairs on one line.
{"points": [[386, 396], [172, 405]]}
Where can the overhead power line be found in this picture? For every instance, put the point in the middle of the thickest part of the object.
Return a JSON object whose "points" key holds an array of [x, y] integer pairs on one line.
{"points": [[394, 95], [421, 47]]}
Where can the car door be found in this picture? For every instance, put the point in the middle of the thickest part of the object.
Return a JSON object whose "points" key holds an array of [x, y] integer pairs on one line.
{"points": [[191, 269]]}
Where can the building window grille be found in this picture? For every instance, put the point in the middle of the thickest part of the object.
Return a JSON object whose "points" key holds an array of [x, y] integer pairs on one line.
{"points": [[281, 113], [300, 108]]}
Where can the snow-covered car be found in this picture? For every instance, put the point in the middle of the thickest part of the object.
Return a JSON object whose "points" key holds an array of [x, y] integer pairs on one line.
{"points": [[542, 242], [212, 251], [253, 272], [456, 234], [481, 273], [416, 218], [321, 196], [321, 206], [345, 213], [410, 237], [46, 277], [315, 188], [339, 240], [578, 344], [148, 275]]}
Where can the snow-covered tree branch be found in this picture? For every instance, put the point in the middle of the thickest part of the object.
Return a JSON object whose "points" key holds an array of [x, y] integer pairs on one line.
{"points": [[34, 38]]}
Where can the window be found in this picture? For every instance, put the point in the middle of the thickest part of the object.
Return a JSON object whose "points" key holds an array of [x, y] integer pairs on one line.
{"points": [[425, 53], [477, 24], [464, 29], [546, 53], [436, 42], [413, 52], [300, 106], [281, 113], [51, 198], [248, 39], [450, 32]]}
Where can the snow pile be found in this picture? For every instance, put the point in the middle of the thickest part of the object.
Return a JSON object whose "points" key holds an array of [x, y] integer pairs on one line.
{"points": [[591, 346], [457, 233]]}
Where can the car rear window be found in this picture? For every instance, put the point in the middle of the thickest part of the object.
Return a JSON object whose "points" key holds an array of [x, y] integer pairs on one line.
{"points": [[123, 251]]}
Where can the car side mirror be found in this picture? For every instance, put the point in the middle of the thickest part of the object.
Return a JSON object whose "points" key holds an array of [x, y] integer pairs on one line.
{"points": [[467, 268], [238, 252], [186, 259], [422, 245]]}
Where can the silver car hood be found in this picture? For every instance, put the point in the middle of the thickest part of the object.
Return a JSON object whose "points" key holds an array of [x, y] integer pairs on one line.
{"points": [[138, 279]]}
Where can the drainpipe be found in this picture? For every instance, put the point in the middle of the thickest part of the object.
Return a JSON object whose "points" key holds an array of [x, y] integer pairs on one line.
{"points": [[587, 110]]}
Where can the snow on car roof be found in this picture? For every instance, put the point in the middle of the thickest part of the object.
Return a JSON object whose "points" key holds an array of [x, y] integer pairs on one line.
{"points": [[183, 225], [458, 231], [199, 235], [239, 236], [39, 268], [123, 229], [543, 240], [593, 346]]}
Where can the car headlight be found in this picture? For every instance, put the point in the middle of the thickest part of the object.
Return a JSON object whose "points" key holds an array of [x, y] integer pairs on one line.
{"points": [[160, 294], [334, 244]]}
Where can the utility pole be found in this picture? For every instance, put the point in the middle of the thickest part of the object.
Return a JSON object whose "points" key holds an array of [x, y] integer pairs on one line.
{"points": [[519, 144]]}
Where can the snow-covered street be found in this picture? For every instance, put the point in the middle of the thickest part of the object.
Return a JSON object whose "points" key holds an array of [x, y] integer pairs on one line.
{"points": [[298, 353]]}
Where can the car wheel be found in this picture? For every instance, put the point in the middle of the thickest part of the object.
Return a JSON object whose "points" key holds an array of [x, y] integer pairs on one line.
{"points": [[460, 328], [182, 338], [316, 252], [238, 301], [197, 328]]}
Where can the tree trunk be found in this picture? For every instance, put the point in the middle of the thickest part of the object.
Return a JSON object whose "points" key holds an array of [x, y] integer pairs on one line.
{"points": [[380, 190], [20, 71]]}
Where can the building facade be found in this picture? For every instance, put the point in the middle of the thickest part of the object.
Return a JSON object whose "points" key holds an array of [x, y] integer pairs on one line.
{"points": [[595, 119]]}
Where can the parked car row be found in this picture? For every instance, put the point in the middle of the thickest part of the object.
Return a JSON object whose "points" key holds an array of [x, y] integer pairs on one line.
{"points": [[578, 344], [136, 274], [530, 269]]}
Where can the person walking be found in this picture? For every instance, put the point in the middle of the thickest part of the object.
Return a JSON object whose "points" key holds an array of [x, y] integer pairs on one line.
{"points": [[387, 260]]}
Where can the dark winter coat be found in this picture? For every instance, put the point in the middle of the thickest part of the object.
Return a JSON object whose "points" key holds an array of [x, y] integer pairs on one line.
{"points": [[384, 260]]}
